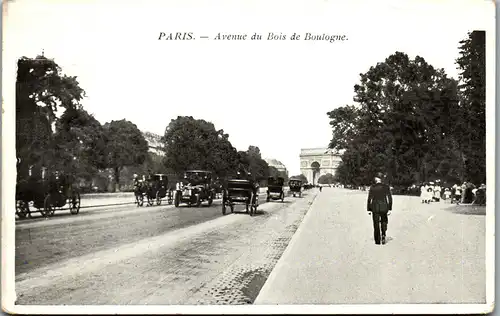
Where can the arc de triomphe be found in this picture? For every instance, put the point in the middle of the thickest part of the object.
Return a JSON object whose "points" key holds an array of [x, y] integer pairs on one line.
{"points": [[315, 162]]}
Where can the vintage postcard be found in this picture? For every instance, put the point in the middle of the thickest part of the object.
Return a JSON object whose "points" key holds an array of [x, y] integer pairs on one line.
{"points": [[251, 157]]}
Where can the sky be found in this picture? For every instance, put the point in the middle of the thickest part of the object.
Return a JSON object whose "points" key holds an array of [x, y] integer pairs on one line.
{"points": [[271, 94]]}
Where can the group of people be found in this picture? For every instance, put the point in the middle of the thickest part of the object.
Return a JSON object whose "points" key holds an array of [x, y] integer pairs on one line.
{"points": [[465, 193], [430, 192], [379, 204]]}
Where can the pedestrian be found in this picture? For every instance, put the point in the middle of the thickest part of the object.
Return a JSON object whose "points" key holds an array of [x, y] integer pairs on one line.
{"points": [[437, 192], [379, 206], [457, 194], [447, 193], [423, 193], [430, 191]]}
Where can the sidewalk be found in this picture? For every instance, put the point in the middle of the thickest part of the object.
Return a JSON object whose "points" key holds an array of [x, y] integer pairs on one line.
{"points": [[433, 255]]}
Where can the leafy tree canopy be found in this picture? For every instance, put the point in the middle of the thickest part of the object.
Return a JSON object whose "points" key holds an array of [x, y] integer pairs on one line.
{"points": [[196, 144], [126, 146]]}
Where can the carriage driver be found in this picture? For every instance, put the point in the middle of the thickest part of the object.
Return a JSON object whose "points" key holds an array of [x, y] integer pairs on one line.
{"points": [[136, 181]]}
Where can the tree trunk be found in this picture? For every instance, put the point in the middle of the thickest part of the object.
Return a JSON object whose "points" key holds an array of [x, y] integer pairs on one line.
{"points": [[117, 179]]}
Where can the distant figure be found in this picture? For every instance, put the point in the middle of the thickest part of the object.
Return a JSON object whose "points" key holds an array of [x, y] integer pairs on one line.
{"points": [[379, 205], [423, 193], [457, 194], [437, 193], [447, 193]]}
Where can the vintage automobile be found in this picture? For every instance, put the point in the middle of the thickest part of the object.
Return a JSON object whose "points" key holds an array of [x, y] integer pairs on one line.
{"points": [[275, 189], [295, 187], [47, 195], [196, 189], [241, 191], [157, 189]]}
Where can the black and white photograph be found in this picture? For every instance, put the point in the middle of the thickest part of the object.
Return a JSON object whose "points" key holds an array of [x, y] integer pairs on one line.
{"points": [[269, 157]]}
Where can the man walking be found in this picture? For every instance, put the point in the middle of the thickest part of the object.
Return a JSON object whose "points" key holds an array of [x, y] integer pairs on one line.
{"points": [[379, 206]]}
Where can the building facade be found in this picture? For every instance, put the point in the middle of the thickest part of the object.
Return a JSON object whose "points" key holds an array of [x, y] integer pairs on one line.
{"points": [[277, 164], [315, 162], [154, 143]]}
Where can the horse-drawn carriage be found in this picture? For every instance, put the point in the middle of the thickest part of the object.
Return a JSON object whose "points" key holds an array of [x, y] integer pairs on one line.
{"points": [[275, 190], [295, 187], [47, 195], [158, 189], [241, 191], [153, 188], [197, 188]]}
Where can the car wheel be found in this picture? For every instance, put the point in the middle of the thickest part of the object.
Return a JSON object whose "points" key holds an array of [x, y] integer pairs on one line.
{"points": [[177, 199]]}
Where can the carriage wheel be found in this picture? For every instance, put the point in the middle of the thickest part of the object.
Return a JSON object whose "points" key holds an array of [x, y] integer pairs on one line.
{"points": [[48, 208], [158, 198], [74, 204], [22, 209]]}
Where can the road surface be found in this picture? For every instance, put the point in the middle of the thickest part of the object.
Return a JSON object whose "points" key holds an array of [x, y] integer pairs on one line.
{"points": [[436, 253], [153, 255]]}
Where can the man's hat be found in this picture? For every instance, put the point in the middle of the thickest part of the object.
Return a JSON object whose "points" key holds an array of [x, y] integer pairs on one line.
{"points": [[380, 175]]}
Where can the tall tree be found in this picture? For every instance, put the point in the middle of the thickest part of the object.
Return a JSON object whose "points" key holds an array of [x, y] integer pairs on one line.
{"points": [[195, 144], [402, 125], [471, 128], [41, 90], [256, 165], [126, 146], [80, 144]]}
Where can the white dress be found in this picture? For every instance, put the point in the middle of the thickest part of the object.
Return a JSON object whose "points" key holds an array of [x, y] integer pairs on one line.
{"points": [[429, 193]]}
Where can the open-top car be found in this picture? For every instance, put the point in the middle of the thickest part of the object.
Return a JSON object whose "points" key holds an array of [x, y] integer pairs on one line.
{"points": [[241, 190], [275, 189], [295, 187], [157, 189], [196, 189], [47, 194]]}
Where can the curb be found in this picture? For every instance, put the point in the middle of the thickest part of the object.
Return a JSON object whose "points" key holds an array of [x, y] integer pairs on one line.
{"points": [[285, 255]]}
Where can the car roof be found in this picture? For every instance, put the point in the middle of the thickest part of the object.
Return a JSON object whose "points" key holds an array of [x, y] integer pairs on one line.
{"points": [[204, 171]]}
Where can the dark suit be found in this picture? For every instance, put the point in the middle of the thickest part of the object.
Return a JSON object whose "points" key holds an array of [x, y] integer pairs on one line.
{"points": [[379, 203]]}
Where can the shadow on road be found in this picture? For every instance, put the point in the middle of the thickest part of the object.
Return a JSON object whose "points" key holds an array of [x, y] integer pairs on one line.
{"points": [[466, 209], [279, 202]]}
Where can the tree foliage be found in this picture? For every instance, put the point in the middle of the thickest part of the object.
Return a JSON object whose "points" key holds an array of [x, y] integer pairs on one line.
{"points": [[472, 130], [403, 124], [414, 123], [80, 144], [326, 179], [253, 162], [126, 146], [300, 177], [41, 91], [195, 144]]}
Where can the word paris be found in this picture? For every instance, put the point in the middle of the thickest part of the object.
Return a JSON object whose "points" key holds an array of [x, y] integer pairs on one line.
{"points": [[255, 37]]}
